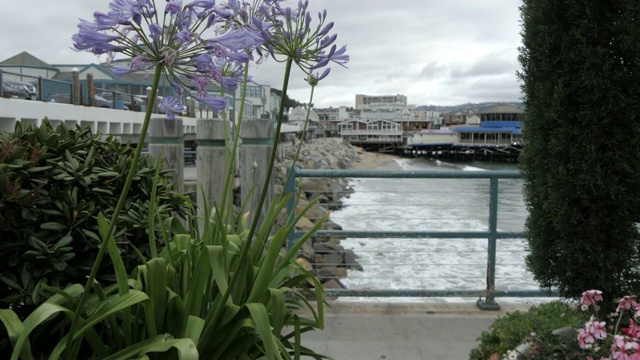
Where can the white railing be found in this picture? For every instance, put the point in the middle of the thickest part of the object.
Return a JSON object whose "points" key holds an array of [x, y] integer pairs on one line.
{"points": [[100, 120], [370, 131]]}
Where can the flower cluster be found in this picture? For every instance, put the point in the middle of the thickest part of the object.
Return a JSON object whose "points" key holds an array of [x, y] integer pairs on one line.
{"points": [[594, 337], [175, 38], [591, 297], [312, 48], [172, 38], [593, 330]]}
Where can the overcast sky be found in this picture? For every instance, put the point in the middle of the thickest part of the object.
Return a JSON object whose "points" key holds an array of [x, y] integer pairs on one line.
{"points": [[440, 52]]}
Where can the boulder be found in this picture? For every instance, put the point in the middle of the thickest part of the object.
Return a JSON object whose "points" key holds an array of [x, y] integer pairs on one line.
{"points": [[333, 284], [304, 224]]}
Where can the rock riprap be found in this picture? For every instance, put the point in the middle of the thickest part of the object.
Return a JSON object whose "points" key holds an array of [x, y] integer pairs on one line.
{"points": [[323, 256]]}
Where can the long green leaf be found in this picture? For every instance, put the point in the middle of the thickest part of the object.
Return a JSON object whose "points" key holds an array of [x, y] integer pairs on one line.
{"points": [[153, 203], [14, 328], [155, 276], [193, 329], [293, 250], [240, 337], [185, 347], [259, 289], [106, 308], [112, 305], [261, 318], [217, 262], [122, 279], [278, 309], [194, 300], [37, 317], [114, 254]]}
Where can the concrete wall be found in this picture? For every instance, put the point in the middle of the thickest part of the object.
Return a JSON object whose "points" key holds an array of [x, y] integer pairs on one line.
{"points": [[107, 121]]}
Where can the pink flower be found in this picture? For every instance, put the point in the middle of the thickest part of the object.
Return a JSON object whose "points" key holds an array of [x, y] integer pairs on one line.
{"points": [[591, 297], [617, 348], [622, 346], [596, 328], [633, 330], [584, 338], [627, 303]]}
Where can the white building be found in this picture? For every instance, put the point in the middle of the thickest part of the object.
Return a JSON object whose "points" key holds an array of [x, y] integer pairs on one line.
{"points": [[298, 117], [55, 79], [371, 131], [381, 102]]}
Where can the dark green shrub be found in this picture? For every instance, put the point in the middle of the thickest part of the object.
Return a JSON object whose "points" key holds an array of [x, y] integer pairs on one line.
{"points": [[509, 331], [53, 183], [581, 76]]}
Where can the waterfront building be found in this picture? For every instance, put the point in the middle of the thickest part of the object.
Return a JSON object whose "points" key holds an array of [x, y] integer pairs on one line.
{"points": [[442, 136], [499, 125], [395, 108], [496, 137], [455, 118], [380, 135], [329, 119]]}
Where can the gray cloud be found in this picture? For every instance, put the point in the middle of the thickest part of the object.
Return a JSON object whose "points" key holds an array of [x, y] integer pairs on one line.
{"points": [[433, 51], [492, 64]]}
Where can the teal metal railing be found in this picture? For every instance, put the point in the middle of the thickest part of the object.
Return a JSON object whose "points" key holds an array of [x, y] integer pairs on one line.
{"points": [[486, 297]]}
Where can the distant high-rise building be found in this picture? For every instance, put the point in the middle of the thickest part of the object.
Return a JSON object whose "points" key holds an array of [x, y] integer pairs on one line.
{"points": [[381, 102]]}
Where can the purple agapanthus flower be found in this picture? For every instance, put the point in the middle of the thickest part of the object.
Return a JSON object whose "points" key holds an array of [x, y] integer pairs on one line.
{"points": [[174, 42], [170, 106], [295, 37], [177, 39], [214, 102]]}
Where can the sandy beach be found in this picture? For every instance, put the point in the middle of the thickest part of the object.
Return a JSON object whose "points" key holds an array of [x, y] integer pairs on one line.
{"points": [[373, 160]]}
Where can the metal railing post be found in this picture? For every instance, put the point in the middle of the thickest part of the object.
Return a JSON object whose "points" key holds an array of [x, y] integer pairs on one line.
{"points": [[486, 296], [489, 303]]}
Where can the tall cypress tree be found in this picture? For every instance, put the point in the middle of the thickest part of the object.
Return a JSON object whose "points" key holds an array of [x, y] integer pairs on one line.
{"points": [[581, 82]]}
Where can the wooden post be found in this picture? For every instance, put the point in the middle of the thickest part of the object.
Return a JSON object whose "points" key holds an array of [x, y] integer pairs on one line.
{"points": [[166, 140], [91, 89], [191, 107], [75, 83], [211, 162], [255, 152]]}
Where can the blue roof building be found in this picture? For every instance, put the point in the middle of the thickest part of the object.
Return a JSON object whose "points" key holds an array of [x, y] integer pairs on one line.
{"points": [[499, 125]]}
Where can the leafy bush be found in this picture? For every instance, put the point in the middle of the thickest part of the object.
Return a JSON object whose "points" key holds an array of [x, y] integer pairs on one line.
{"points": [[580, 70], [509, 331], [53, 183], [189, 299]]}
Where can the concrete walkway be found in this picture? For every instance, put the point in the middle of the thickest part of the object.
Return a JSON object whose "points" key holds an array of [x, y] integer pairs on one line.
{"points": [[403, 331]]}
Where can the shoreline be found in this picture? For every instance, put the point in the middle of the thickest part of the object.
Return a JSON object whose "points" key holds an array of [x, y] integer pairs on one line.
{"points": [[323, 256], [373, 160]]}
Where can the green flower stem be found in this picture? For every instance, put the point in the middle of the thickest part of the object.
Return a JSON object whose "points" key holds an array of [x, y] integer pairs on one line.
{"points": [[272, 160], [116, 212], [215, 315], [302, 138], [234, 145]]}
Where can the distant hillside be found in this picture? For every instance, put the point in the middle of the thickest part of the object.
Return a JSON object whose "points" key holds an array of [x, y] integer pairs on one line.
{"points": [[468, 107]]}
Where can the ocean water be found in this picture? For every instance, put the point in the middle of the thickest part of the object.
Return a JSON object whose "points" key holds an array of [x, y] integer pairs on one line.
{"points": [[433, 204]]}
